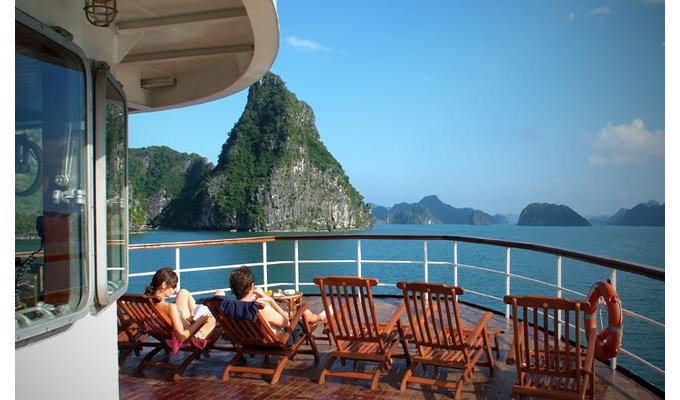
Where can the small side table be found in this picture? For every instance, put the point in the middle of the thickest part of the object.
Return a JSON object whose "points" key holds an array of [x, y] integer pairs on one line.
{"points": [[290, 302]]}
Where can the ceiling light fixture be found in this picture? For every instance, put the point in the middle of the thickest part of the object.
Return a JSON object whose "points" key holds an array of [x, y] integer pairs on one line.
{"points": [[100, 12], [149, 83]]}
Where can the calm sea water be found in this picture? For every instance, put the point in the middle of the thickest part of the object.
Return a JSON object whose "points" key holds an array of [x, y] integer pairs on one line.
{"points": [[643, 245]]}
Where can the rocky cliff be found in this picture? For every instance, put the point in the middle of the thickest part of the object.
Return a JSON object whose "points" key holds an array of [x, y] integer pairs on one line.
{"points": [[273, 173], [158, 175]]}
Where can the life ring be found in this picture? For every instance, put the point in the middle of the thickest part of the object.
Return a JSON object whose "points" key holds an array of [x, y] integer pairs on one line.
{"points": [[609, 340]]}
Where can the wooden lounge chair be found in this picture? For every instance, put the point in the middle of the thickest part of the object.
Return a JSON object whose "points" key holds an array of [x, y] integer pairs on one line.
{"points": [[257, 338], [143, 312], [548, 366], [355, 329], [441, 339], [131, 337]]}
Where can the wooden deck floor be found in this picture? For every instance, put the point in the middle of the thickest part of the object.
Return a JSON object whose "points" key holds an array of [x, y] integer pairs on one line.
{"points": [[202, 379]]}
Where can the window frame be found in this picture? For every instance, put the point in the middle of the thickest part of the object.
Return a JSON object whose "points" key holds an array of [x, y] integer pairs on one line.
{"points": [[103, 77], [50, 327]]}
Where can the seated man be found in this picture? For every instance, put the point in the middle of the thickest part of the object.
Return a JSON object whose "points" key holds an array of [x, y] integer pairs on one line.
{"points": [[243, 287]]}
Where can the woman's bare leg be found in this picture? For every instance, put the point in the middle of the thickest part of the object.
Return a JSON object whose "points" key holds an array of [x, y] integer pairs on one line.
{"points": [[185, 301]]}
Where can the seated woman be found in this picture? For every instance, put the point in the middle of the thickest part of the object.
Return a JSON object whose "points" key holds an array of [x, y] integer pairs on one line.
{"points": [[242, 285], [186, 315]]}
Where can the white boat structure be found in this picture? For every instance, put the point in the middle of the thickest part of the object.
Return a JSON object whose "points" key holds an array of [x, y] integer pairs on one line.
{"points": [[80, 68]]}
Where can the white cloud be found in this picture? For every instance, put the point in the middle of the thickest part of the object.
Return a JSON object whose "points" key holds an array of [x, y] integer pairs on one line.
{"points": [[601, 11], [627, 144], [571, 16], [305, 44]]}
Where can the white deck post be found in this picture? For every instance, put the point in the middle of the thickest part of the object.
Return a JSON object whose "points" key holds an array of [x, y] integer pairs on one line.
{"points": [[359, 258], [559, 295], [264, 265], [296, 264], [425, 263], [507, 280], [455, 263], [177, 268]]}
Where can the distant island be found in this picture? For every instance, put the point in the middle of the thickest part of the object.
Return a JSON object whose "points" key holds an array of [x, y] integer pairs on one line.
{"points": [[644, 214], [546, 214], [431, 210]]}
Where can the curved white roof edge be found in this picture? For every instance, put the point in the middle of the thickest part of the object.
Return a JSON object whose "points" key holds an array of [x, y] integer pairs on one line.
{"points": [[266, 39], [206, 53], [266, 47]]}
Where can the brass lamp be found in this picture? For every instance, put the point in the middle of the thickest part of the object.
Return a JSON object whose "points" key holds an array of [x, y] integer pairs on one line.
{"points": [[100, 12]]}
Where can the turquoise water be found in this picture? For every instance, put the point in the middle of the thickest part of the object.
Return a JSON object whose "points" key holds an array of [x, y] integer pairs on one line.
{"points": [[643, 245]]}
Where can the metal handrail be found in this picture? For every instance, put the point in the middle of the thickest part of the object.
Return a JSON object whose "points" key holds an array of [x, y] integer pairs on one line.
{"points": [[612, 264]]}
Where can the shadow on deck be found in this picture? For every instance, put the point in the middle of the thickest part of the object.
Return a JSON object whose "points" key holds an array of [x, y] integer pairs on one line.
{"points": [[202, 379]]}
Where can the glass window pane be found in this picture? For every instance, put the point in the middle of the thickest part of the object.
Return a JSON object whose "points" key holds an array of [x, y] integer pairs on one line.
{"points": [[51, 278], [116, 189]]}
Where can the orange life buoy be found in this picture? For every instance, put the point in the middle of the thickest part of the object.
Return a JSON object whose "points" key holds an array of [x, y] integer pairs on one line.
{"points": [[609, 340]]}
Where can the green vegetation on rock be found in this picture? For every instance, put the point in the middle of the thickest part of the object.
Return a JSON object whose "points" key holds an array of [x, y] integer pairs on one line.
{"points": [[158, 175], [273, 173]]}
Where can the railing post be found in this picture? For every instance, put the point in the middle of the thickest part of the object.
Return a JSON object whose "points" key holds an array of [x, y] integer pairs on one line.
{"points": [[296, 264], [359, 258], [455, 263], [612, 278], [559, 295], [507, 281], [177, 269], [425, 264], [264, 265]]}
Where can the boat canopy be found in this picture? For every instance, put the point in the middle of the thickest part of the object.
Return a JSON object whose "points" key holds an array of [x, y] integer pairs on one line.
{"points": [[173, 53]]}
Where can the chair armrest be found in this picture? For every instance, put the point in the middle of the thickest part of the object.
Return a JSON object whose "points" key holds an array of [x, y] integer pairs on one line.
{"points": [[479, 329], [512, 357], [590, 351], [590, 359], [389, 327], [196, 327], [298, 315]]}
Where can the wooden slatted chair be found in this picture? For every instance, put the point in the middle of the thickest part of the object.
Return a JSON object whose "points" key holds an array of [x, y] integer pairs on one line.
{"points": [[355, 329], [257, 338], [548, 366], [441, 339], [143, 312], [131, 337]]}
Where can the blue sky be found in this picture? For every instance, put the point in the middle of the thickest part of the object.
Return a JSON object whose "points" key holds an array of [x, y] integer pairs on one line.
{"points": [[490, 105]]}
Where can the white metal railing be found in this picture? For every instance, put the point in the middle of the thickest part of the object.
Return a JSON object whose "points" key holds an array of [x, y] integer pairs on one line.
{"points": [[359, 261]]}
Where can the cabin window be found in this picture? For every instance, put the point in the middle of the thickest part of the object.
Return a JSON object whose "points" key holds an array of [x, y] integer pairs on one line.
{"points": [[111, 184], [51, 199]]}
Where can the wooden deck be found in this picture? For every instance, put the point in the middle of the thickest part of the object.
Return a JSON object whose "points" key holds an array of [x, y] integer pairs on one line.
{"points": [[202, 379]]}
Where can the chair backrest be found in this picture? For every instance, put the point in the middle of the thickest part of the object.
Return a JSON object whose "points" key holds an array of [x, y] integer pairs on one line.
{"points": [[348, 301], [433, 315], [128, 330], [245, 333], [538, 348], [142, 311]]}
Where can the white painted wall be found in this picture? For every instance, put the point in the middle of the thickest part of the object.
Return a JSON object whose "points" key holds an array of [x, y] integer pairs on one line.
{"points": [[79, 363]]}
